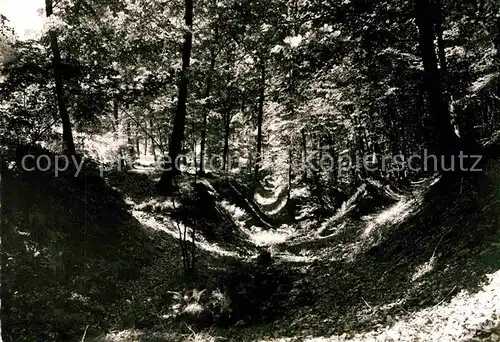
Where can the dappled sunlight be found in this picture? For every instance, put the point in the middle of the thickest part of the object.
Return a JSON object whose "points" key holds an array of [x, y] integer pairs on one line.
{"points": [[130, 335], [281, 205], [135, 335], [264, 237], [424, 268], [263, 201], [233, 170], [302, 257], [157, 205], [277, 198], [346, 207], [236, 212], [396, 213], [458, 320], [172, 228]]}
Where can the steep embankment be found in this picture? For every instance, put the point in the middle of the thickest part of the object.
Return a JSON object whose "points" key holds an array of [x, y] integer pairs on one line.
{"points": [[413, 269], [368, 272]]}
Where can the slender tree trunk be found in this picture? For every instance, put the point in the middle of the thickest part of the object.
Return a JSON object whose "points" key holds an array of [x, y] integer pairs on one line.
{"points": [[209, 103], [61, 103], [116, 124], [137, 142], [227, 130], [227, 125], [130, 143], [193, 251], [146, 136], [304, 150], [260, 114], [440, 41], [177, 135], [115, 115], [444, 137], [153, 145], [194, 158], [443, 66]]}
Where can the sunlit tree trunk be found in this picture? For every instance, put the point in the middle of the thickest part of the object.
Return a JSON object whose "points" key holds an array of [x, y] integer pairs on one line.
{"points": [[209, 103], [137, 142], [146, 138], [262, 90], [227, 131], [116, 121], [153, 145], [304, 150]]}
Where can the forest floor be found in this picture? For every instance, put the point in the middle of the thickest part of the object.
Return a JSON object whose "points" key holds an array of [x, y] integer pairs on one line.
{"points": [[387, 265], [423, 268]]}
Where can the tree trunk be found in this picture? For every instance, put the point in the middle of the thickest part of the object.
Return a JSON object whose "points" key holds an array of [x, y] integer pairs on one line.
{"points": [[116, 124], [440, 41], [260, 114], [227, 125], [209, 104], [194, 157], [130, 143], [137, 142], [304, 150], [444, 137], [115, 115], [153, 145], [61, 103], [177, 135], [227, 130]]}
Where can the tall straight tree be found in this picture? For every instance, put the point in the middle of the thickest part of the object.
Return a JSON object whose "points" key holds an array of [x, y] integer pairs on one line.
{"points": [[61, 102], [179, 126], [209, 102], [443, 135], [260, 116]]}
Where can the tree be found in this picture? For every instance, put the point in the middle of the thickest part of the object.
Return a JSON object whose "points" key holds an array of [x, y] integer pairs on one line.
{"points": [[179, 124], [260, 115], [58, 79], [444, 138], [207, 96]]}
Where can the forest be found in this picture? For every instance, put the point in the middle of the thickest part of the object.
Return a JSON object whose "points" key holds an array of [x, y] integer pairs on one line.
{"points": [[275, 171]]}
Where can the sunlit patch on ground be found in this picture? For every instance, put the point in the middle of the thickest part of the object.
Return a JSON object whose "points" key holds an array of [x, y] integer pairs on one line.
{"points": [[459, 320], [302, 257], [396, 213], [172, 228], [424, 268], [263, 201], [133, 335], [346, 207], [264, 237], [236, 212]]}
